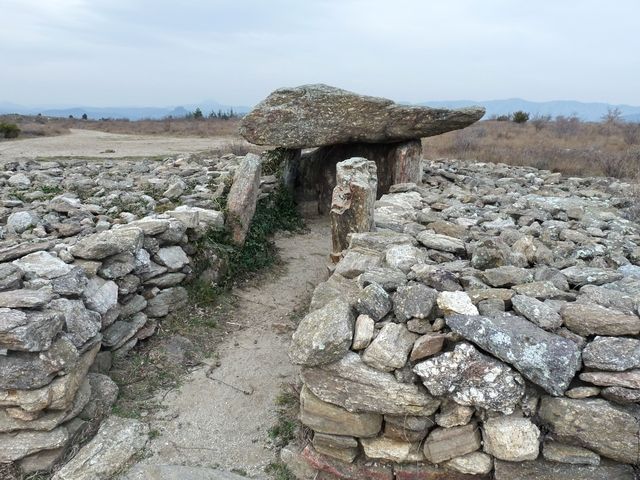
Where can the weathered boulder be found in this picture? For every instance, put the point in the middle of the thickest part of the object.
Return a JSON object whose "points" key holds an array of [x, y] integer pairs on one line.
{"points": [[328, 418], [563, 453], [324, 335], [536, 311], [28, 331], [446, 443], [242, 198], [16, 445], [391, 449], [544, 470], [515, 439], [473, 379], [357, 387], [111, 242], [413, 301], [317, 115], [546, 359], [609, 430], [113, 446], [590, 319], [390, 348], [353, 200], [374, 301], [612, 353]]}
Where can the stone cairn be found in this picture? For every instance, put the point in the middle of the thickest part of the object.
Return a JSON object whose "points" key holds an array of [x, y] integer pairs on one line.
{"points": [[88, 268], [481, 324], [487, 328], [343, 125]]}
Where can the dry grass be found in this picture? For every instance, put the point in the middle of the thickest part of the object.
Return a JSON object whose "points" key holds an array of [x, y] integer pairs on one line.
{"points": [[564, 145], [39, 126]]}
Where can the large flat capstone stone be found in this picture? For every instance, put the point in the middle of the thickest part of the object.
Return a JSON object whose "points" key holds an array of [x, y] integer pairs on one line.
{"points": [[318, 115], [546, 359]]}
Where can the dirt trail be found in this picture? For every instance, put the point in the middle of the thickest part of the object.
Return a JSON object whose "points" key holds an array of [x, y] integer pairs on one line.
{"points": [[91, 143], [220, 416]]}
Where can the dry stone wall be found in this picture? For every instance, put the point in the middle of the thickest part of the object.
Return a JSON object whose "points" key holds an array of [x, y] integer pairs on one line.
{"points": [[487, 328], [92, 256]]}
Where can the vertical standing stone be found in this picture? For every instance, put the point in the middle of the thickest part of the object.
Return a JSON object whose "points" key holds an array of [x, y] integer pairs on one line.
{"points": [[353, 200], [406, 162], [241, 203]]}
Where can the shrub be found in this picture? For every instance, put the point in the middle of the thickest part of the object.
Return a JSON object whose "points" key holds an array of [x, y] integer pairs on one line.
{"points": [[9, 130], [520, 117], [503, 118]]}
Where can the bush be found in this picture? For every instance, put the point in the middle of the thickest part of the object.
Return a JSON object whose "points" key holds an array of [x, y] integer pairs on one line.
{"points": [[9, 130], [520, 117], [503, 118]]}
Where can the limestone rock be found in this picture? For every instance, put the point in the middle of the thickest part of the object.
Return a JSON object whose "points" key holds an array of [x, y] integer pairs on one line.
{"points": [[316, 115], [393, 450], [474, 463], [441, 242], [544, 470], [324, 335], [546, 359], [453, 414], [16, 445], [357, 387], [587, 319], [81, 324], [473, 379], [173, 258], [324, 417], [612, 353], [113, 446], [404, 257], [353, 200], [628, 379], [563, 453], [596, 424], [514, 439], [28, 331], [374, 301], [506, 276], [426, 345], [25, 298], [363, 332], [456, 302], [111, 242], [242, 198], [443, 444], [100, 295], [413, 301], [536, 311], [390, 349], [23, 370], [42, 265], [168, 300], [590, 276]]}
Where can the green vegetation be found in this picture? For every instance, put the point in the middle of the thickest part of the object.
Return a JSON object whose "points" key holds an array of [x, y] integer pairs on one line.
{"points": [[9, 130], [274, 213], [279, 471], [520, 117]]}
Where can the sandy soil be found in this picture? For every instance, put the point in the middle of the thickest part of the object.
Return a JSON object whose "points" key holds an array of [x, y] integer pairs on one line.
{"points": [[221, 415], [91, 143]]}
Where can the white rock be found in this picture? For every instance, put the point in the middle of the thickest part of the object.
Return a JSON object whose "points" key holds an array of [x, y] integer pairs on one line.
{"points": [[42, 265], [456, 302], [474, 463], [511, 438]]}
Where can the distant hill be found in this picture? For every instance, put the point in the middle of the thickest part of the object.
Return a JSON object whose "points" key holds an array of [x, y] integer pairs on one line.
{"points": [[132, 113], [591, 112]]}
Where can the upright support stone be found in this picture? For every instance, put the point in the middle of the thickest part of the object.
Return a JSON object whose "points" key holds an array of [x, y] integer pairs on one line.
{"points": [[315, 176], [241, 203], [353, 200]]}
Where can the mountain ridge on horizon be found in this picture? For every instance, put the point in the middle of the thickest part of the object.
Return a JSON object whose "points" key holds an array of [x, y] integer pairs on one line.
{"points": [[586, 111]]}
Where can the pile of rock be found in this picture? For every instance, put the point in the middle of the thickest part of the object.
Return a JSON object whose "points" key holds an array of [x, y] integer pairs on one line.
{"points": [[84, 277], [343, 125], [488, 328]]}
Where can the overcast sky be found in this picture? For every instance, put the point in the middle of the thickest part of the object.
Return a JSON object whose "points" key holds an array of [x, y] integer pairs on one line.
{"points": [[157, 53]]}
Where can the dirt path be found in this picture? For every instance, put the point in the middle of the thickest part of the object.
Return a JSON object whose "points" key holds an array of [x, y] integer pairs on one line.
{"points": [[221, 415], [91, 143]]}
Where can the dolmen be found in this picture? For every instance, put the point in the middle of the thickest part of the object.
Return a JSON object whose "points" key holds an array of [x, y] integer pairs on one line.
{"points": [[340, 125]]}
